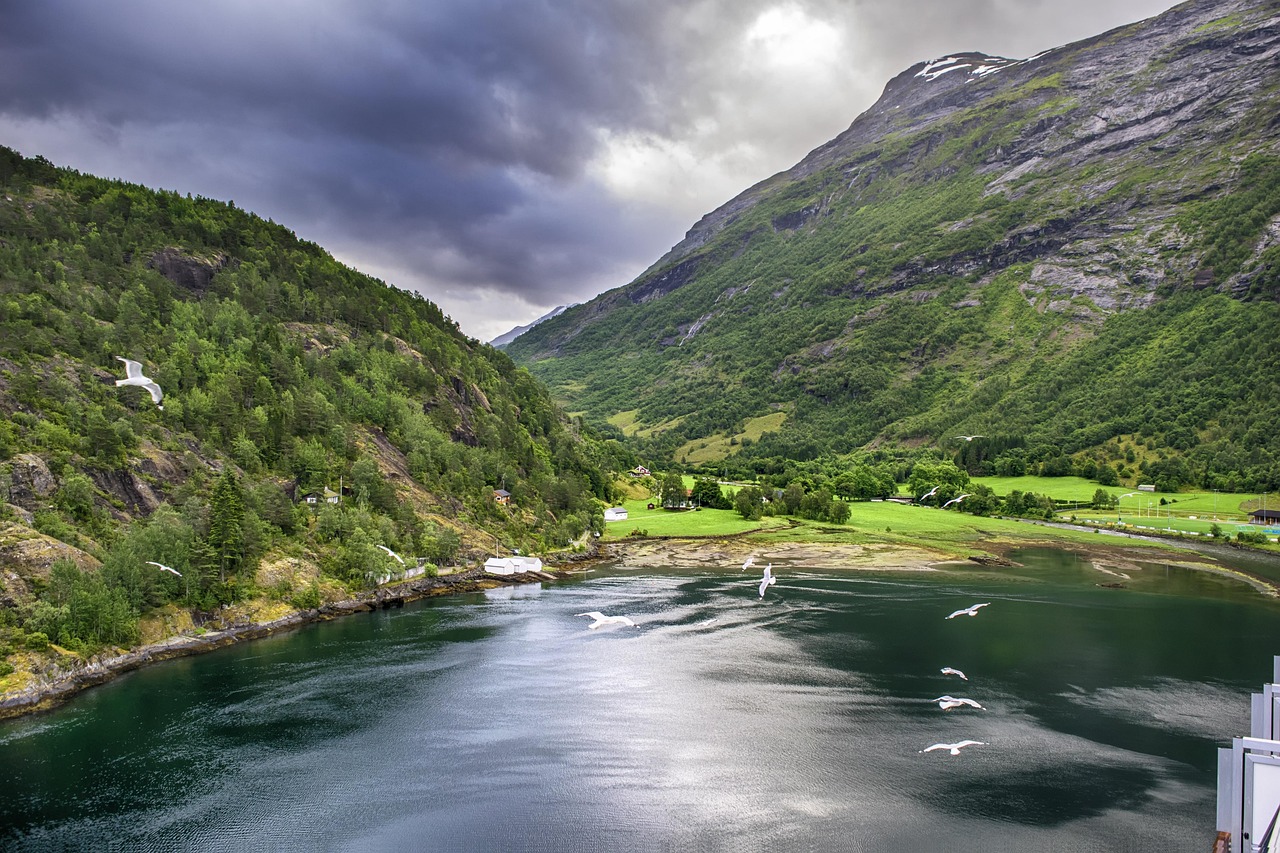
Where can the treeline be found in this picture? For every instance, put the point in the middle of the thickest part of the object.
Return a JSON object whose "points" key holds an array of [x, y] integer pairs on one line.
{"points": [[284, 373]]}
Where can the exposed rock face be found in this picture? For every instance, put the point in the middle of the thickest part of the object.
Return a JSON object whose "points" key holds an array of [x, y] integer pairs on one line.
{"points": [[187, 271], [30, 480], [1149, 93], [27, 555], [138, 497]]}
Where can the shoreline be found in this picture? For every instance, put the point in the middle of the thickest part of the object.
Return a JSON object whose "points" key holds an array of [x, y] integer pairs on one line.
{"points": [[102, 668], [723, 553]]}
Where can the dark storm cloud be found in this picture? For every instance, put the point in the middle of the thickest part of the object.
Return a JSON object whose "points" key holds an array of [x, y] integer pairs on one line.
{"points": [[449, 144]]}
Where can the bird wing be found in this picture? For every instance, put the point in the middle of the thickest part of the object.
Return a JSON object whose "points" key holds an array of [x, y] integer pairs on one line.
{"points": [[983, 604], [594, 614], [748, 563], [957, 613], [156, 394], [768, 571], [970, 703], [132, 368], [965, 743], [936, 746]]}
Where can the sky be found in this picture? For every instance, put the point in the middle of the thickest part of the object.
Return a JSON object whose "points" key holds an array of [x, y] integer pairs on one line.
{"points": [[500, 157]]}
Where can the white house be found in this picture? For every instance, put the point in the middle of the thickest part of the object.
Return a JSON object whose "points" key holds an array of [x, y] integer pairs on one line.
{"points": [[615, 513], [512, 565]]}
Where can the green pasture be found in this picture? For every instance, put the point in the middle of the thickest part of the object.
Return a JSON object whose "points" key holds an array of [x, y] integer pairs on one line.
{"points": [[662, 522], [875, 522]]}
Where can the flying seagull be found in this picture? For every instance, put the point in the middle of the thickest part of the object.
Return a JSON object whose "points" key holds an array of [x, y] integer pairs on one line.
{"points": [[166, 568], [769, 580], [954, 747], [929, 493], [969, 611], [968, 437], [134, 377], [955, 501], [946, 670], [601, 619], [748, 563], [391, 553], [946, 703]]}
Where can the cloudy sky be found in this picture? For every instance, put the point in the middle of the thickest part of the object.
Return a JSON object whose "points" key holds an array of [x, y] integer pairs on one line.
{"points": [[501, 157]]}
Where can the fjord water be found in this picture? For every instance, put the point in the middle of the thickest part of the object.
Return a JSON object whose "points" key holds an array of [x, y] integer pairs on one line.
{"points": [[720, 721]]}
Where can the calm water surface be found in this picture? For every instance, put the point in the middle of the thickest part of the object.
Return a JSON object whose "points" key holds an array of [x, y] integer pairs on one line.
{"points": [[719, 722]]}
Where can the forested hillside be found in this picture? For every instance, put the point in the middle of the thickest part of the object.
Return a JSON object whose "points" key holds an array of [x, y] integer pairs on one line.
{"points": [[1075, 257], [284, 374]]}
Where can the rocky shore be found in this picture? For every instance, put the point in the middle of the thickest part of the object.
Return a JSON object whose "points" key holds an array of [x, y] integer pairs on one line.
{"points": [[74, 675]]}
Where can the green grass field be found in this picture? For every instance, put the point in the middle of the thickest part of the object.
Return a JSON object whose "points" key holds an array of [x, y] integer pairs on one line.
{"points": [[661, 522], [883, 522]]}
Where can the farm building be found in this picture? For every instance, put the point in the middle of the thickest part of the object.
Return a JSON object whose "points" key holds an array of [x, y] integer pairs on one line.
{"points": [[615, 513]]}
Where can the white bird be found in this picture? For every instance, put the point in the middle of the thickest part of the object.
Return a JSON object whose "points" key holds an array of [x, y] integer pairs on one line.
{"points": [[969, 611], [748, 563], [954, 748], [391, 553], [601, 619], [955, 501], [946, 703], [133, 370], [968, 437], [769, 580], [166, 568], [947, 670], [929, 493]]}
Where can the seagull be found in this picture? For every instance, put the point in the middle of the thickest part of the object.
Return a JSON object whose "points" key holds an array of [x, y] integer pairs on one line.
{"points": [[969, 611], [928, 494], [954, 747], [769, 580], [946, 703], [391, 553], [601, 619], [135, 377], [748, 563], [955, 501], [968, 437], [946, 670], [166, 568]]}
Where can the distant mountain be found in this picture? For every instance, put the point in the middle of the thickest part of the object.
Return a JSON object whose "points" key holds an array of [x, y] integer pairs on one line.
{"points": [[502, 340], [1076, 256]]}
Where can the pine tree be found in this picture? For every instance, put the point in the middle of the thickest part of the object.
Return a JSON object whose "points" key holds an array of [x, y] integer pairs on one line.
{"points": [[226, 524]]}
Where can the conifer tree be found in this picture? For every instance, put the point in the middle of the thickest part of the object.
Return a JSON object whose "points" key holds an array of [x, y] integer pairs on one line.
{"points": [[226, 524]]}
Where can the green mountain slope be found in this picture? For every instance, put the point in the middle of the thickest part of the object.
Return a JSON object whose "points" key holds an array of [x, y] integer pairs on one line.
{"points": [[1073, 256], [284, 373]]}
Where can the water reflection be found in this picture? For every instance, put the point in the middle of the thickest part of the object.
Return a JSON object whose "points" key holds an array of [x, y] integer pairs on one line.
{"points": [[500, 721]]}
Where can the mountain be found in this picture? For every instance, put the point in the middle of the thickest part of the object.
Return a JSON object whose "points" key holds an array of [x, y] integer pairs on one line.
{"points": [[507, 337], [1076, 256], [286, 377]]}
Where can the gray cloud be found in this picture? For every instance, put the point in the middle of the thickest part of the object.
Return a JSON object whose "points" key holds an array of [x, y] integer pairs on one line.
{"points": [[476, 150]]}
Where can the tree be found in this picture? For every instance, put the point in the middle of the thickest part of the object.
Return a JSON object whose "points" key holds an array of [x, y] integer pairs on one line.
{"points": [[749, 503], [1102, 499], [226, 524], [672, 490], [706, 492]]}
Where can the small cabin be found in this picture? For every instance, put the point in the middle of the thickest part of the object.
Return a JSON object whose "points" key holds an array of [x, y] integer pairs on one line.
{"points": [[615, 513], [1264, 516], [501, 496], [512, 565], [315, 497], [640, 471]]}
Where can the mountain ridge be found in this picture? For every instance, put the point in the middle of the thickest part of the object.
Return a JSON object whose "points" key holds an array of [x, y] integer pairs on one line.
{"points": [[1044, 196]]}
